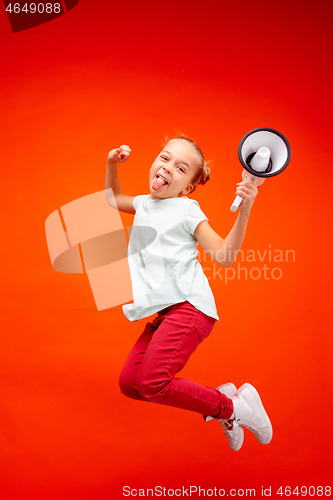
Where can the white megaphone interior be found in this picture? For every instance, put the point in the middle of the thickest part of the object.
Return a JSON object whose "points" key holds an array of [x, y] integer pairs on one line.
{"points": [[264, 138]]}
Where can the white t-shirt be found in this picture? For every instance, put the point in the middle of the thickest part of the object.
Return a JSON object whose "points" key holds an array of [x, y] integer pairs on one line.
{"points": [[162, 257]]}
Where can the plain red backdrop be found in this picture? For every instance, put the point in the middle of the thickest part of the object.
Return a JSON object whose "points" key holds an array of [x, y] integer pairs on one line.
{"points": [[107, 74]]}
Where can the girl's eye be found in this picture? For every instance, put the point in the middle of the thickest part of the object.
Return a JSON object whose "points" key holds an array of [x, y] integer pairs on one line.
{"points": [[181, 169], [164, 157]]}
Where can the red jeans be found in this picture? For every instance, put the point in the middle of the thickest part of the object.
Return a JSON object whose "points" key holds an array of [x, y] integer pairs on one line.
{"points": [[161, 352]]}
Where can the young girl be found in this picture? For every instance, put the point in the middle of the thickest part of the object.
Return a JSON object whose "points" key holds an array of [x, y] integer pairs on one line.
{"points": [[168, 279]]}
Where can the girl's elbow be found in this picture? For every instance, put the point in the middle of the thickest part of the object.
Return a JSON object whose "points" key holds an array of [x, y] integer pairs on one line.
{"points": [[222, 258], [224, 262], [111, 201]]}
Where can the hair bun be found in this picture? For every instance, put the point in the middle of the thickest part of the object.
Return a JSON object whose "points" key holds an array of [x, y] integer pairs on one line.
{"points": [[205, 173]]}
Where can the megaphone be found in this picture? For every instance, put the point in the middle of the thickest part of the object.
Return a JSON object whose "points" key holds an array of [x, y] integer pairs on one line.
{"points": [[263, 152]]}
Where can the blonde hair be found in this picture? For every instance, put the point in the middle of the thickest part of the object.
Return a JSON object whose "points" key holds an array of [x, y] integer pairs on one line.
{"points": [[203, 174]]}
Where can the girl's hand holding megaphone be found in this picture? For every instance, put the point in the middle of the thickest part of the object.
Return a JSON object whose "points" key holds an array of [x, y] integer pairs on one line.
{"points": [[247, 189]]}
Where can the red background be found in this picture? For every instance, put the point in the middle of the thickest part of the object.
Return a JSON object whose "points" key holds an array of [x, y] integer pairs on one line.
{"points": [[107, 74]]}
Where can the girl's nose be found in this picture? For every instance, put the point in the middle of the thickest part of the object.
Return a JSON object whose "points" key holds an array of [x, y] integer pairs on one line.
{"points": [[167, 170]]}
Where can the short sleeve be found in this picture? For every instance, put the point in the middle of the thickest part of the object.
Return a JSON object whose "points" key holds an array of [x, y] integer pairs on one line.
{"points": [[193, 217], [138, 200]]}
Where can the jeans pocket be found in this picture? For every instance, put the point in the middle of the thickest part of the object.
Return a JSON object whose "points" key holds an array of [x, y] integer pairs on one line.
{"points": [[204, 326]]}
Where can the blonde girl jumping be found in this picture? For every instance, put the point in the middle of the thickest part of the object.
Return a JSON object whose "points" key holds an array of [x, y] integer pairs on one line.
{"points": [[167, 279]]}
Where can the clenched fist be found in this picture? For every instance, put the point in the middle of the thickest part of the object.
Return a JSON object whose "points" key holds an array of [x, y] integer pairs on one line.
{"points": [[119, 155]]}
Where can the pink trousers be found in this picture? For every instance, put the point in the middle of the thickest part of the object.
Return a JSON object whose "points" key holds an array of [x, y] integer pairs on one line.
{"points": [[161, 352]]}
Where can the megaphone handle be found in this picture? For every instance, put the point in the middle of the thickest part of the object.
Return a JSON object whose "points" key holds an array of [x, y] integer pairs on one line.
{"points": [[237, 201]]}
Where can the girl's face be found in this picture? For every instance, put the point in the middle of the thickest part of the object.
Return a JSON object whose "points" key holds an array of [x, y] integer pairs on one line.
{"points": [[173, 170]]}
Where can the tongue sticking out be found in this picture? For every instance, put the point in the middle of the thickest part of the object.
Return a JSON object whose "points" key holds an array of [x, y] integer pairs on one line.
{"points": [[158, 182]]}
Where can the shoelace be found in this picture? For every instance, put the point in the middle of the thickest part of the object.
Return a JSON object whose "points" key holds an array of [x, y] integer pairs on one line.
{"points": [[229, 425]]}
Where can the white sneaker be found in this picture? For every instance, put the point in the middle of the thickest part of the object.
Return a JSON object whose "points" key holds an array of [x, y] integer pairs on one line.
{"points": [[250, 413], [232, 431]]}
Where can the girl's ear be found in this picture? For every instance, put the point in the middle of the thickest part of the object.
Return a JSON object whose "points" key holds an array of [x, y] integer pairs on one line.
{"points": [[188, 189]]}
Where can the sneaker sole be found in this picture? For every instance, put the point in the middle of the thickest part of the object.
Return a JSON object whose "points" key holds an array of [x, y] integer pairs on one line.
{"points": [[262, 409]]}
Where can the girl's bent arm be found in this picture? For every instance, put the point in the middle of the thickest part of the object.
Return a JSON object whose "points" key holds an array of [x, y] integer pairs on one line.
{"points": [[224, 251], [116, 198]]}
